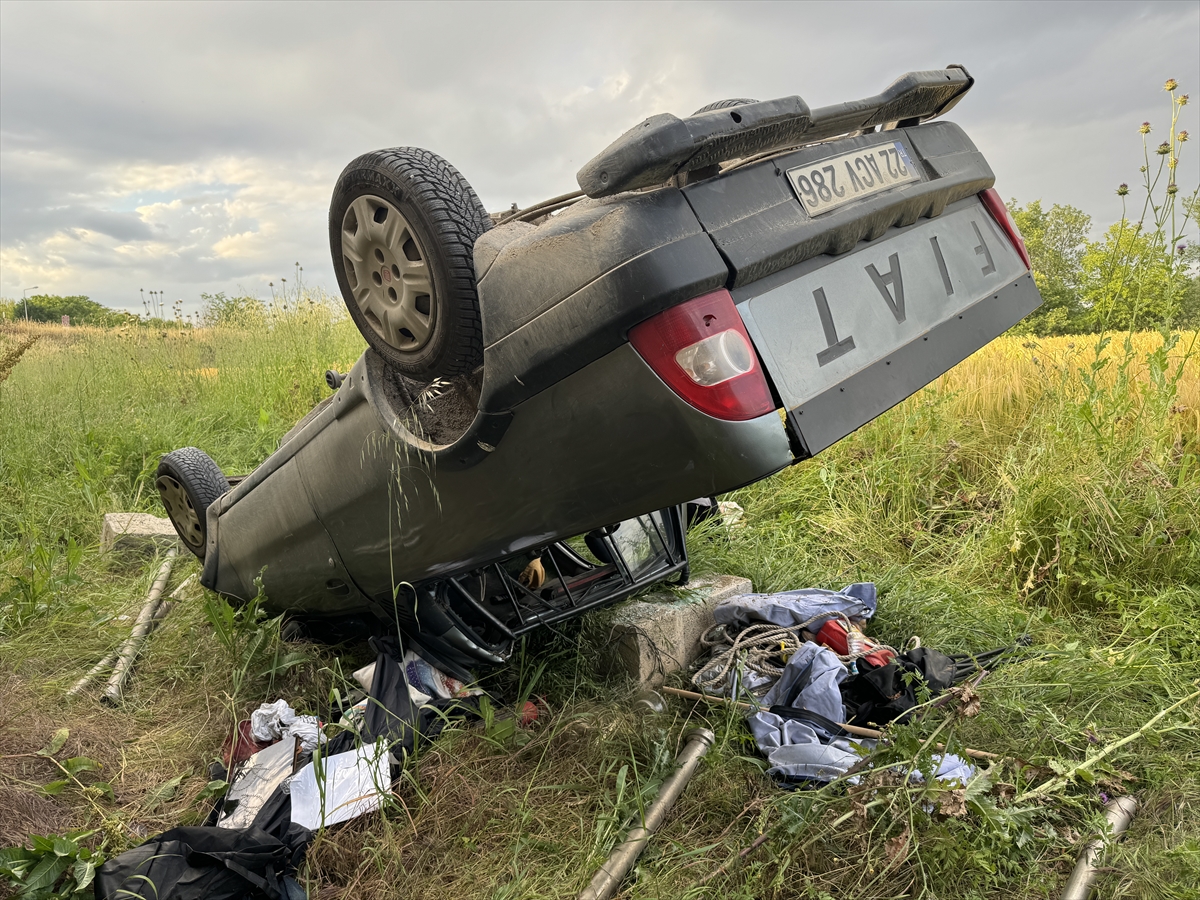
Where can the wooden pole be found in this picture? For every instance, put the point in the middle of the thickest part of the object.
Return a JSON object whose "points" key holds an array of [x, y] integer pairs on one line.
{"points": [[852, 729]]}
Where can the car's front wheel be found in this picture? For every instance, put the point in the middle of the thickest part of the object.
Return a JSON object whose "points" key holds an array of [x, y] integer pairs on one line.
{"points": [[188, 483], [402, 231]]}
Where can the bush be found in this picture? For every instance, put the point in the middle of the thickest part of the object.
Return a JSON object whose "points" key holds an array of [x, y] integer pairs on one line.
{"points": [[238, 312]]}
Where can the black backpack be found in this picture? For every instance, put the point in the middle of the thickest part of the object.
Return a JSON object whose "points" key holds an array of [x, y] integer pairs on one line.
{"points": [[199, 864]]}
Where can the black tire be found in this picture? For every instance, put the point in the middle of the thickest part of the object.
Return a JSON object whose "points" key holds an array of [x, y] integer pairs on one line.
{"points": [[436, 334], [188, 482], [723, 104]]}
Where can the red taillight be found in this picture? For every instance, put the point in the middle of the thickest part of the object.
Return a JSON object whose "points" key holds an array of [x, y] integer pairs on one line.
{"points": [[1005, 220], [701, 349]]}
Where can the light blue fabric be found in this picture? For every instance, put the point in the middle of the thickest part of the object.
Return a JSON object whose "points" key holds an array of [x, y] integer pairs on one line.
{"points": [[810, 681], [806, 750], [812, 761], [791, 608], [798, 749]]}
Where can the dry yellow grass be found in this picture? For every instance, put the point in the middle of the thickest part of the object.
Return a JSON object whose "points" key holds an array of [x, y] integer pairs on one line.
{"points": [[1013, 371]]}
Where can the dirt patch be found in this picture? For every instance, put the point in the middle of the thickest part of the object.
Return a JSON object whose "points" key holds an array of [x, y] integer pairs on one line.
{"points": [[438, 413], [26, 813]]}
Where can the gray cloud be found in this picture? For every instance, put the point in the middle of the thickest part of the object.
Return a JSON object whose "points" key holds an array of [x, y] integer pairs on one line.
{"points": [[194, 146]]}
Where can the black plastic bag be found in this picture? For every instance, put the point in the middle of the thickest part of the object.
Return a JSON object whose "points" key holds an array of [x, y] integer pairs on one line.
{"points": [[938, 670], [198, 864]]}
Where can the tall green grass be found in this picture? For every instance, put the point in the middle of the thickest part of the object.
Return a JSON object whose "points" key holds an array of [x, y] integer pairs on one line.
{"points": [[1049, 488], [88, 412]]}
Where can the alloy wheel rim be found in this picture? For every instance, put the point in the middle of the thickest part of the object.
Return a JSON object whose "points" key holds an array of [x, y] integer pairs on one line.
{"points": [[388, 273], [179, 507]]}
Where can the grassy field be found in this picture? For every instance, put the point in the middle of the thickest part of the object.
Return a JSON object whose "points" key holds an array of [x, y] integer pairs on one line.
{"points": [[1043, 486]]}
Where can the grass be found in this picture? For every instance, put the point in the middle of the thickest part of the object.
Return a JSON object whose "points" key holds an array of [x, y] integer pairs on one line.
{"points": [[1041, 487]]}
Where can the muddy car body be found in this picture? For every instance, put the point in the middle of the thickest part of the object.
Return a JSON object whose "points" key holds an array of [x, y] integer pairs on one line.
{"points": [[729, 295]]}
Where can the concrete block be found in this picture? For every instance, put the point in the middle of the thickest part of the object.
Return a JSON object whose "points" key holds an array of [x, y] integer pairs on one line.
{"points": [[660, 633], [136, 533]]}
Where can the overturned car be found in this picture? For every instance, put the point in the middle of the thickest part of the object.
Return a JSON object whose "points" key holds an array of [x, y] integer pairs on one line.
{"points": [[728, 294]]}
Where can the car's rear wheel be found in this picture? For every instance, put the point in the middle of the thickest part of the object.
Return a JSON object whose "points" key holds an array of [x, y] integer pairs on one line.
{"points": [[402, 231], [188, 483]]}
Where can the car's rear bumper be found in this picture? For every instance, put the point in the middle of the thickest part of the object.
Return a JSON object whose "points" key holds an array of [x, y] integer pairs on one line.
{"points": [[845, 338]]}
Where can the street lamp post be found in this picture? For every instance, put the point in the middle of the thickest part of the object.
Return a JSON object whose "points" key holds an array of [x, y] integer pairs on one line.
{"points": [[25, 300]]}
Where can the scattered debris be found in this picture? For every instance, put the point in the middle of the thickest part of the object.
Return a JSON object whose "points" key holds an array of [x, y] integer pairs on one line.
{"points": [[273, 721], [256, 781], [241, 745], [202, 864], [649, 701], [818, 682], [425, 681], [731, 514]]}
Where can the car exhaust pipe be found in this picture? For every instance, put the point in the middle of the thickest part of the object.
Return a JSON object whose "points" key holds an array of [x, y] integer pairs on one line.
{"points": [[608, 879], [1079, 885]]}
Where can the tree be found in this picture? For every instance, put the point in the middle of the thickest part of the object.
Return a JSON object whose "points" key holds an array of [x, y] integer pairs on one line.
{"points": [[1189, 299], [51, 308], [1057, 241], [1131, 281]]}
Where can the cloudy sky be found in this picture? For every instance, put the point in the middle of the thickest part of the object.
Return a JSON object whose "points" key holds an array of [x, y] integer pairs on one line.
{"points": [[192, 147]]}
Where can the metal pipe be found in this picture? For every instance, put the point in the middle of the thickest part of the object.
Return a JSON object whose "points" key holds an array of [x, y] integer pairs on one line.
{"points": [[608, 879], [92, 673], [145, 620], [159, 613], [1079, 885]]}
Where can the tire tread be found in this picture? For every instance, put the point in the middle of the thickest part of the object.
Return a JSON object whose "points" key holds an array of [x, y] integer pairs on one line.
{"points": [[200, 477], [457, 217]]}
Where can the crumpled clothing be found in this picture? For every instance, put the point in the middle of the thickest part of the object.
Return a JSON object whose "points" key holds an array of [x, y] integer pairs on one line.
{"points": [[811, 748], [268, 721], [951, 767], [431, 681], [308, 730], [810, 681], [791, 608], [812, 761], [273, 721], [800, 734]]}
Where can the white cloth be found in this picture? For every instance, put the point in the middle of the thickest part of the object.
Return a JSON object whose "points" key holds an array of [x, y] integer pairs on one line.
{"points": [[268, 721], [273, 721]]}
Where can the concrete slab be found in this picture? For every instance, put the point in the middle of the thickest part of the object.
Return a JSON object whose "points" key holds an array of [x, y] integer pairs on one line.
{"points": [[136, 533], [660, 633]]}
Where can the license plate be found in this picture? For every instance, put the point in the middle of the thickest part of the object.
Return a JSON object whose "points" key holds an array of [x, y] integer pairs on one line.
{"points": [[837, 318], [827, 184]]}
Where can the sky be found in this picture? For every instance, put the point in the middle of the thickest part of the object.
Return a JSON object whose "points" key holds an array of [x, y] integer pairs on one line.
{"points": [[192, 148]]}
